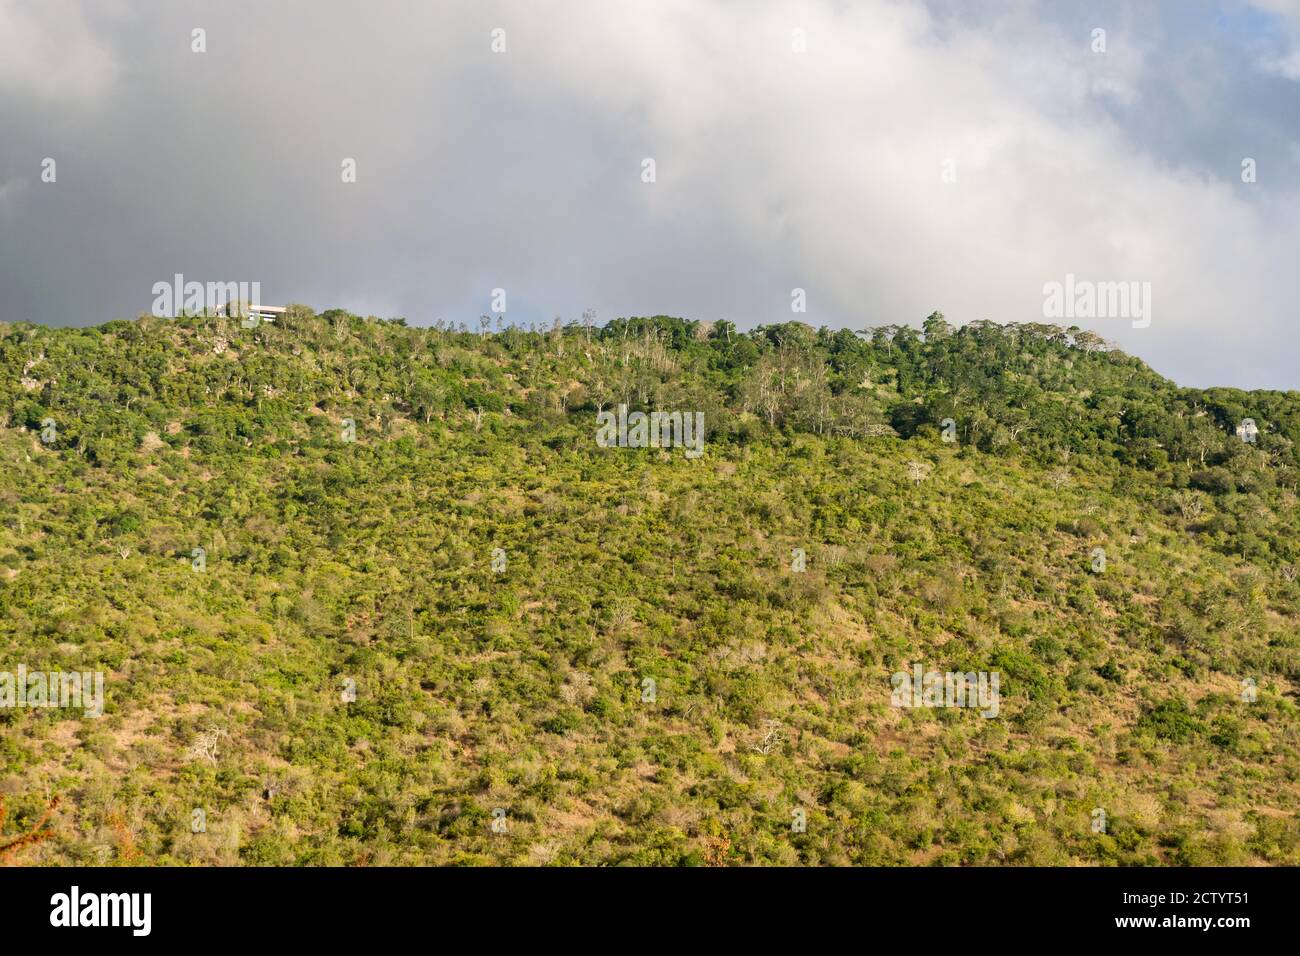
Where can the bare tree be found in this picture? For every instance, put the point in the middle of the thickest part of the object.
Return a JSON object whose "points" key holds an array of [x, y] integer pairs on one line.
{"points": [[205, 745], [1058, 478], [772, 737], [1190, 505]]}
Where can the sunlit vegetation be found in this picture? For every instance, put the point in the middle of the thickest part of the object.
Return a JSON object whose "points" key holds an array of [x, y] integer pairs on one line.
{"points": [[1161, 689]]}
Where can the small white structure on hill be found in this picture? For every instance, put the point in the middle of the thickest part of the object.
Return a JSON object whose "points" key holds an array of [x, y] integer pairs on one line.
{"points": [[254, 315]]}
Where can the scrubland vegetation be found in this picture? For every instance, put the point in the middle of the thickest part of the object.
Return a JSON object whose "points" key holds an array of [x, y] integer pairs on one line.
{"points": [[332, 564]]}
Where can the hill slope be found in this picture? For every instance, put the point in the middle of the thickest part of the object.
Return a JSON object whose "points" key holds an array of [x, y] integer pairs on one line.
{"points": [[356, 487]]}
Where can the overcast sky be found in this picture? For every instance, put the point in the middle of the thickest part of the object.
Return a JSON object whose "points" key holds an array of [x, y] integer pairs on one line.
{"points": [[914, 156]]}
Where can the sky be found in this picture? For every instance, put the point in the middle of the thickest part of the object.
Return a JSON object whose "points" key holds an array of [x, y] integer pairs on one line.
{"points": [[889, 158]]}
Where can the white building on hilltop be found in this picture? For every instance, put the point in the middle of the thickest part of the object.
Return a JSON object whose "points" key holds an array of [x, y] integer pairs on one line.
{"points": [[254, 314]]}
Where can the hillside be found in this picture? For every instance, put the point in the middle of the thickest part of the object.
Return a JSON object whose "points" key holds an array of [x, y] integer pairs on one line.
{"points": [[366, 560]]}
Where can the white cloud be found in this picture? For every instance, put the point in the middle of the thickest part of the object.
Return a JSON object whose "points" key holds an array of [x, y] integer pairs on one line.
{"points": [[826, 167], [1287, 66], [48, 51]]}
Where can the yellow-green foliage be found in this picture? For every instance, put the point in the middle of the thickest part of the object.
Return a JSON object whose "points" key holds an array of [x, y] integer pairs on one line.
{"points": [[333, 565]]}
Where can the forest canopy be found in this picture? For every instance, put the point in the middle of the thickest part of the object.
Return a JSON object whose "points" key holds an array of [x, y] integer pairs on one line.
{"points": [[364, 592]]}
